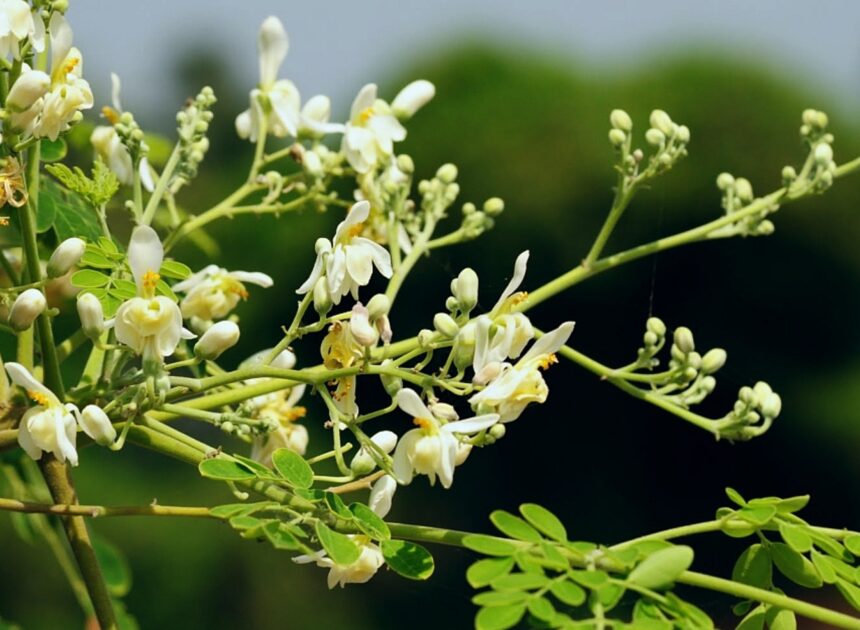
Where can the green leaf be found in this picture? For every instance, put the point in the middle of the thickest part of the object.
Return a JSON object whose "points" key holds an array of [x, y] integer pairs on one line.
{"points": [[852, 543], [824, 568], [794, 566], [520, 581], [500, 598], [124, 289], [753, 621], [514, 526], [754, 567], [661, 568], [52, 150], [553, 556], [792, 504], [73, 216], [757, 515], [107, 245], [229, 510], [541, 608], [490, 545], [795, 536], [244, 522], [162, 288], [293, 468], [339, 547], [779, 619], [829, 546], [369, 522], [850, 592], [485, 571], [568, 593], [499, 617], [94, 257], [280, 537], [224, 470], [408, 559], [590, 579], [735, 497], [337, 506], [89, 279], [609, 595], [115, 569], [735, 527], [544, 520], [174, 269]]}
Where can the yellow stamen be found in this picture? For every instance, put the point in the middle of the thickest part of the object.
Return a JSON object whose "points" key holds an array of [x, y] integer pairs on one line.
{"points": [[424, 423], [150, 280], [547, 361], [38, 397], [365, 115], [71, 64], [518, 298], [110, 114], [230, 285], [295, 413], [355, 230]]}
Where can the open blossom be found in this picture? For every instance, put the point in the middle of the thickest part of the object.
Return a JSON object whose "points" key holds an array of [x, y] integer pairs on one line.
{"points": [[431, 449], [213, 292], [148, 324], [348, 262], [17, 24], [50, 425], [518, 385], [279, 408], [371, 132], [362, 570]]}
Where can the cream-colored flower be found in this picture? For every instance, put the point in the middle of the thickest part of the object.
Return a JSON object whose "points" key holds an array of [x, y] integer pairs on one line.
{"points": [[148, 324], [371, 132], [432, 448], [280, 408], [518, 385], [347, 264], [17, 24], [213, 292], [362, 570], [49, 426]]}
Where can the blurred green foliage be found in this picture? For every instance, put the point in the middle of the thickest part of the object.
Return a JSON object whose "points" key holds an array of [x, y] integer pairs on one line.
{"points": [[533, 130]]}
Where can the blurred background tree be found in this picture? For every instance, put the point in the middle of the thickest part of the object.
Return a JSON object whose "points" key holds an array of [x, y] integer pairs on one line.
{"points": [[531, 128]]}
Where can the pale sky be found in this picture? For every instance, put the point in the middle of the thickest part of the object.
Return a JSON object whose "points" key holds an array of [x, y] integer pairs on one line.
{"points": [[336, 46]]}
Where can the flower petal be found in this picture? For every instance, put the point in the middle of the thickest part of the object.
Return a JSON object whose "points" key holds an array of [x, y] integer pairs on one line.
{"points": [[145, 253], [365, 98], [254, 277], [516, 279], [381, 495], [549, 343], [402, 467], [272, 46], [22, 378], [358, 213], [472, 425]]}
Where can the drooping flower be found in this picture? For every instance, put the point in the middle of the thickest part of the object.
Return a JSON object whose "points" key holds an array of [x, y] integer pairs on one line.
{"points": [[362, 570], [371, 132], [213, 292], [150, 325], [431, 449], [348, 262], [518, 385], [50, 425], [382, 494]]}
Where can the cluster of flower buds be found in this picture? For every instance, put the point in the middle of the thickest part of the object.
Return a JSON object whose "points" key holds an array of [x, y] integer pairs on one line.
{"points": [[753, 412], [652, 342], [669, 140], [692, 370], [737, 193], [476, 222], [439, 193], [193, 124]]}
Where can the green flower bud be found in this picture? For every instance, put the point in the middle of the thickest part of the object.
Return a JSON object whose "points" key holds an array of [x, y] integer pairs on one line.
{"points": [[425, 338], [451, 303], [746, 395], [788, 174], [494, 206], [405, 164], [378, 306], [684, 339], [447, 173], [771, 406], [392, 384], [445, 324], [682, 133], [91, 315], [219, 337], [469, 208], [725, 181], [713, 360], [650, 339], [465, 289], [743, 189], [497, 431], [660, 120], [823, 154], [655, 137], [708, 384], [97, 425], [656, 325], [617, 138], [322, 297], [620, 120]]}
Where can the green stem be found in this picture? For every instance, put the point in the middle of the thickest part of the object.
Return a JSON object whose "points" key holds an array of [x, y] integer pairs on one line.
{"points": [[161, 186], [95, 511], [623, 195]]}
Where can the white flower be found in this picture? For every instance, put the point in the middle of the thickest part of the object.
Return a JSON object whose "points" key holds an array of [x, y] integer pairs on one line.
{"points": [[26, 308], [348, 263], [66, 256], [97, 425], [412, 98], [511, 332], [382, 494], [91, 314], [16, 24], [359, 572], [47, 427], [213, 292], [431, 449], [360, 327], [280, 408], [371, 132], [28, 88], [69, 92], [217, 339], [315, 116], [148, 324], [517, 385], [364, 462]]}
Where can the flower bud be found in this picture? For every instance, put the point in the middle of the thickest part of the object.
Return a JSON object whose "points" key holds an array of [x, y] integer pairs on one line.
{"points": [[445, 324], [617, 138], [425, 338], [771, 406], [713, 360], [286, 360], [660, 120], [465, 289], [725, 181], [655, 137], [392, 384], [66, 256], [322, 297], [91, 315], [494, 206], [359, 326], [412, 98], [682, 134], [743, 189], [26, 308], [650, 339], [378, 306], [220, 337], [823, 154], [684, 339], [619, 119], [405, 164], [443, 411], [97, 425], [788, 174], [29, 88], [498, 431], [656, 326], [447, 173]]}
